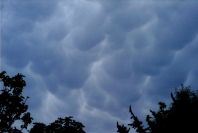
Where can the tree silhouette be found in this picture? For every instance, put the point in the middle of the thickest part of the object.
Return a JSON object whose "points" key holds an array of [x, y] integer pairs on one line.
{"points": [[122, 128], [13, 106], [180, 117], [61, 125]]}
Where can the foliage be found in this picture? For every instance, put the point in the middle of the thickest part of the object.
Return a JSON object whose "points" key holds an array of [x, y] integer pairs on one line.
{"points": [[13, 106], [180, 117], [61, 125], [122, 128]]}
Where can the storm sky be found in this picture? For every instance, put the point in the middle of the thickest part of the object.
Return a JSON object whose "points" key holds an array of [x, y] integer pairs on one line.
{"points": [[91, 59]]}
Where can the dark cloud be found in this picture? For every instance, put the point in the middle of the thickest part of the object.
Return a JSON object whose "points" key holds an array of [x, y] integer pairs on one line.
{"points": [[92, 59], [34, 10], [172, 29]]}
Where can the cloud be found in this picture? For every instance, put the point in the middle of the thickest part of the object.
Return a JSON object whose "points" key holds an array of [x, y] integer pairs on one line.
{"points": [[92, 59]]}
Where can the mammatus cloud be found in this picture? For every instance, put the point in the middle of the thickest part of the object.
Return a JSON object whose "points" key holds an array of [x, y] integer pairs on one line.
{"points": [[92, 59]]}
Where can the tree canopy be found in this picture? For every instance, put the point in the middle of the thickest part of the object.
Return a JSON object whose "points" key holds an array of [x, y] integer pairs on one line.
{"points": [[61, 125], [13, 107], [181, 116]]}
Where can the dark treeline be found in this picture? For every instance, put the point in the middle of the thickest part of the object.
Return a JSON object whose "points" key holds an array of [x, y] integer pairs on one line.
{"points": [[181, 116]]}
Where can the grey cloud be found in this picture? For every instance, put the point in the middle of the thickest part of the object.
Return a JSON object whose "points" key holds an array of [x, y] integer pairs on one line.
{"points": [[87, 38], [119, 66], [20, 21], [36, 10], [15, 56], [89, 32], [180, 27], [95, 58]]}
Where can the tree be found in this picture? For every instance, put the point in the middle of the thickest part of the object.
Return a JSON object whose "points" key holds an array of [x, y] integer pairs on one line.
{"points": [[122, 128], [61, 125], [13, 106], [180, 117]]}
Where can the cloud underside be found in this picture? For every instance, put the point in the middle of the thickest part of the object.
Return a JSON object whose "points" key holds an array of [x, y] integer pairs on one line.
{"points": [[93, 58]]}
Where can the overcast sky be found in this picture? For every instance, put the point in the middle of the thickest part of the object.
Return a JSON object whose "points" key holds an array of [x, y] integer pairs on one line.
{"points": [[91, 59]]}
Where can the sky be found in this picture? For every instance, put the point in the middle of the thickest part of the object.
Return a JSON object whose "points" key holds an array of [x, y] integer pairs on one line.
{"points": [[92, 59]]}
